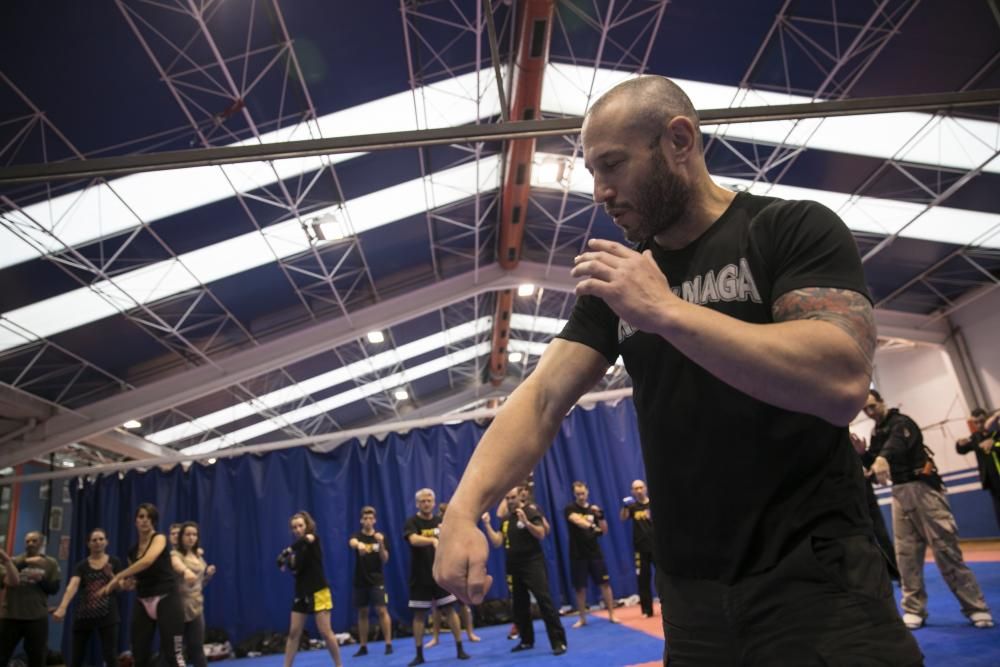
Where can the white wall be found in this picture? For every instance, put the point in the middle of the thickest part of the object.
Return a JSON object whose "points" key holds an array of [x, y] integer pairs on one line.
{"points": [[921, 381], [980, 324]]}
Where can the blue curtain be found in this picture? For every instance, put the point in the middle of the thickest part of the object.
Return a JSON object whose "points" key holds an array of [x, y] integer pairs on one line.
{"points": [[243, 505]]}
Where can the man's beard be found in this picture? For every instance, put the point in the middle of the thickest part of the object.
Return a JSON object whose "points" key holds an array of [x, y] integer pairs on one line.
{"points": [[660, 202]]}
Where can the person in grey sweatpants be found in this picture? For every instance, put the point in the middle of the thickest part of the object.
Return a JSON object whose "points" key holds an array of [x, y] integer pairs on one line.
{"points": [[921, 516]]}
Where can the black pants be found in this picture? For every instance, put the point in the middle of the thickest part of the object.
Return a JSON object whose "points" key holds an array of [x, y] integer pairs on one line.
{"points": [[194, 641], [35, 634], [109, 643], [995, 495], [643, 573], [529, 578], [828, 602], [885, 544], [169, 621]]}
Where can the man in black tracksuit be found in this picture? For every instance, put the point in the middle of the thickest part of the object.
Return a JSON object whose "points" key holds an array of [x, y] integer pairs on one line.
{"points": [[985, 442], [521, 531], [637, 508]]}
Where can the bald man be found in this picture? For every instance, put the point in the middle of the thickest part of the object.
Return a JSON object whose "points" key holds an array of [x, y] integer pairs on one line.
{"points": [[636, 508], [30, 578], [746, 327]]}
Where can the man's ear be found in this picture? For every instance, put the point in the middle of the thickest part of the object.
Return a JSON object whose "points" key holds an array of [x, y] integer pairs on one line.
{"points": [[682, 135]]}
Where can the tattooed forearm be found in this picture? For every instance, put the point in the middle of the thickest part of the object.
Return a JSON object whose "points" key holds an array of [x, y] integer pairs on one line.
{"points": [[846, 309]]}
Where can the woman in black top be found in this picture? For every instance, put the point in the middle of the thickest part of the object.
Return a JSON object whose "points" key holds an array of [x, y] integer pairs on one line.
{"points": [[93, 612], [158, 605], [312, 594]]}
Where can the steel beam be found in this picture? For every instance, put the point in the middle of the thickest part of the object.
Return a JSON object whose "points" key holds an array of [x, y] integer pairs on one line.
{"points": [[128, 445], [125, 164]]}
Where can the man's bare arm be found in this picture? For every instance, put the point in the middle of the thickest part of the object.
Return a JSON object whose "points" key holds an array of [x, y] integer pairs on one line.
{"points": [[514, 443]]}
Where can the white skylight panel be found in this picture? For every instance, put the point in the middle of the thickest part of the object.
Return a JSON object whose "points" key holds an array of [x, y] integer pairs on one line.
{"points": [[385, 384], [68, 310], [322, 381], [527, 347], [949, 225], [149, 283], [12, 335], [537, 323], [242, 253], [880, 216], [96, 212], [358, 393], [863, 214], [75, 218], [229, 257]]}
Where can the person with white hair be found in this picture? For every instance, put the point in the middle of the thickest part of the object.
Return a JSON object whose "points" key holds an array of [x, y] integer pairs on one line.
{"points": [[421, 532]]}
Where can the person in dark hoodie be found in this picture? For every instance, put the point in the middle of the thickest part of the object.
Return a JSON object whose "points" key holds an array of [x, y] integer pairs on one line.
{"points": [[921, 516], [985, 442]]}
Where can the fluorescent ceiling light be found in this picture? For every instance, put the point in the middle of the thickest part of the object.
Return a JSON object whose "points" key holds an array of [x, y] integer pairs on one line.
{"points": [[132, 423], [68, 464], [400, 394], [104, 210], [376, 337], [866, 214], [526, 289], [515, 357], [907, 136]]}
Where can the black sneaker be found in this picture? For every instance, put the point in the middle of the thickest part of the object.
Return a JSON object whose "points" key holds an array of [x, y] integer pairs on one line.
{"points": [[388, 649], [361, 651], [559, 649], [522, 647], [461, 654], [419, 660]]}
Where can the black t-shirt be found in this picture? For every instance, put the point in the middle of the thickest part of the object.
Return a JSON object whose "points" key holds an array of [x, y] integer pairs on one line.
{"points": [[421, 558], [988, 461], [368, 566], [518, 541], [307, 565], [583, 541], [742, 480], [93, 609], [642, 526], [158, 578]]}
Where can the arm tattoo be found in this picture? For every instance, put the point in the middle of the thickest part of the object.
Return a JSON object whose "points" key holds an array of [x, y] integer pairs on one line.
{"points": [[846, 309]]}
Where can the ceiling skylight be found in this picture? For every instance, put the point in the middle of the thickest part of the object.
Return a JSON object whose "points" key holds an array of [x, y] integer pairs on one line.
{"points": [[103, 210]]}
